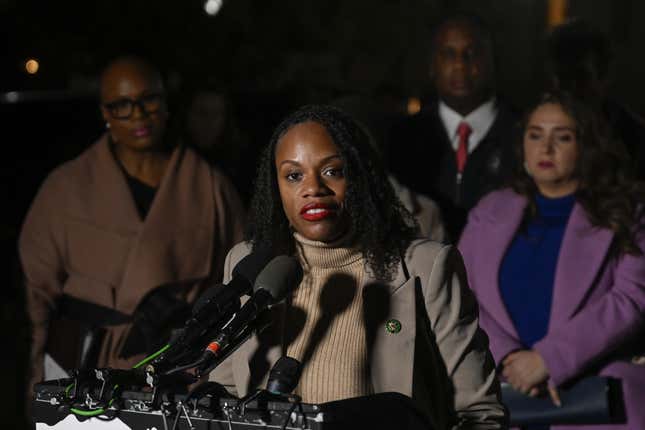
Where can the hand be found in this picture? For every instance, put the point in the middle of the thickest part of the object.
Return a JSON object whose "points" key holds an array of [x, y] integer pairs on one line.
{"points": [[544, 389], [525, 371], [555, 396]]}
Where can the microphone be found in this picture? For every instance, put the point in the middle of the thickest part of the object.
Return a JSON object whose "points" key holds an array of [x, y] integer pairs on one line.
{"points": [[282, 275], [217, 304], [244, 274], [284, 376], [283, 379]]}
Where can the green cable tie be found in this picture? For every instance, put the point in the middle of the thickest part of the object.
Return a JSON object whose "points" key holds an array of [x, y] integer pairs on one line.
{"points": [[152, 357], [87, 413]]}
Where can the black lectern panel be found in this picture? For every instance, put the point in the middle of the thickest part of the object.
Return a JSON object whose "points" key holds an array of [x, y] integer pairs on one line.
{"points": [[146, 410], [378, 411]]}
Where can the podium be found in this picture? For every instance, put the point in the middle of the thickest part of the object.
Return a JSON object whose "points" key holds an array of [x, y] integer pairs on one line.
{"points": [[135, 412], [377, 411]]}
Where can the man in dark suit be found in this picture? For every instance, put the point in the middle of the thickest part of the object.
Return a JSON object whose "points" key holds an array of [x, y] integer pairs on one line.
{"points": [[459, 147]]}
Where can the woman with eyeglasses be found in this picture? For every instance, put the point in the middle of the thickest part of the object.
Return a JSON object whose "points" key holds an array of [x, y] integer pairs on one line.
{"points": [[120, 237]]}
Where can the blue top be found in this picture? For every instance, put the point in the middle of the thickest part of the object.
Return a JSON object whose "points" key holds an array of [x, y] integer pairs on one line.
{"points": [[528, 269]]}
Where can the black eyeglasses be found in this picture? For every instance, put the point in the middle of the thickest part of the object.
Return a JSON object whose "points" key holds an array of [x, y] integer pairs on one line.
{"points": [[123, 108]]}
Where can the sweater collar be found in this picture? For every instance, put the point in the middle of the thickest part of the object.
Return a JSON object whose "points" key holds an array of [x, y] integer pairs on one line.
{"points": [[555, 207], [326, 255]]}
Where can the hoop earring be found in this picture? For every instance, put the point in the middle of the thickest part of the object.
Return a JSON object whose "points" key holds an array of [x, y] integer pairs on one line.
{"points": [[526, 169]]}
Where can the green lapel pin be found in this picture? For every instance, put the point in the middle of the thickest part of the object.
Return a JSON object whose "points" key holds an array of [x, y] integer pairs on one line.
{"points": [[393, 326]]}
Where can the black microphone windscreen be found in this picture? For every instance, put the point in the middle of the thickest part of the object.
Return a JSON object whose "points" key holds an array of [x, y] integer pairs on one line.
{"points": [[284, 375], [206, 297], [243, 278], [281, 276], [250, 266]]}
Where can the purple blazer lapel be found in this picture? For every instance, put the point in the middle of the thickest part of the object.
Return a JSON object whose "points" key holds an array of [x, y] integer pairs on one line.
{"points": [[582, 254], [496, 238]]}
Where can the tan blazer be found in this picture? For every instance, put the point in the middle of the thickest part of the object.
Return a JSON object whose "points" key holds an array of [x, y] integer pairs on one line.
{"points": [[83, 236], [424, 210], [439, 358]]}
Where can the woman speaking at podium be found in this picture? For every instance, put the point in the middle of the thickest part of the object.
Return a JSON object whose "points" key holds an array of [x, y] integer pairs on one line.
{"points": [[377, 311]]}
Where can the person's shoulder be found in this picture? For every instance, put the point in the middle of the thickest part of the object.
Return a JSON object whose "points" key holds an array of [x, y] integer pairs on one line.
{"points": [[427, 203], [424, 247], [495, 202], [61, 175], [421, 252], [238, 252], [194, 159], [492, 199], [413, 201], [74, 172], [426, 258]]}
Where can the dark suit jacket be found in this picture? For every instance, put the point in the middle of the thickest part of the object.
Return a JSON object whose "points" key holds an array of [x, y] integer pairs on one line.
{"points": [[421, 156]]}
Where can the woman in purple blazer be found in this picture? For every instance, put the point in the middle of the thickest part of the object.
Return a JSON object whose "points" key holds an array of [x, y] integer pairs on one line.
{"points": [[557, 262]]}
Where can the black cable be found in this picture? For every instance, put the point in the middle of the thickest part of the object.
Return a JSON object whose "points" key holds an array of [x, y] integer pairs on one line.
{"points": [[184, 367]]}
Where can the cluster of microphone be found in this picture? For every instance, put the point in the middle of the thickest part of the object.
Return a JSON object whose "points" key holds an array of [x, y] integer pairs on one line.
{"points": [[220, 323]]}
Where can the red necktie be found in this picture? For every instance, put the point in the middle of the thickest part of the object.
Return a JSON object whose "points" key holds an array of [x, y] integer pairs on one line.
{"points": [[463, 131]]}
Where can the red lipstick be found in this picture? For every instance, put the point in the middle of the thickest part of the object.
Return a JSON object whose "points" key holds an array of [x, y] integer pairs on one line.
{"points": [[317, 211], [545, 164]]}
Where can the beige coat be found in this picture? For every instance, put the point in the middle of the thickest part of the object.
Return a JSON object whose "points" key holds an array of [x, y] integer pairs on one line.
{"points": [[424, 210], [83, 236], [439, 358]]}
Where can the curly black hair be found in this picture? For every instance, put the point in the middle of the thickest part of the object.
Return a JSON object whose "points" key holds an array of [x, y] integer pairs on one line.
{"points": [[608, 190], [369, 195]]}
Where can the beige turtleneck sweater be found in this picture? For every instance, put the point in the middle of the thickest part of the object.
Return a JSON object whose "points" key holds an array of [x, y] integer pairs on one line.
{"points": [[325, 330]]}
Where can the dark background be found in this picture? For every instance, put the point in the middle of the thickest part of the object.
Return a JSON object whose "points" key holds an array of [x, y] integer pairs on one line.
{"points": [[254, 46], [271, 56]]}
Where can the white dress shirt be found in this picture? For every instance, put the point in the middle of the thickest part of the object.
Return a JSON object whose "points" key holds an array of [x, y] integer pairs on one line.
{"points": [[480, 121]]}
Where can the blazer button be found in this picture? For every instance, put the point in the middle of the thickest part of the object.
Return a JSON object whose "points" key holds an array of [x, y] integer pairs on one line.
{"points": [[393, 326]]}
